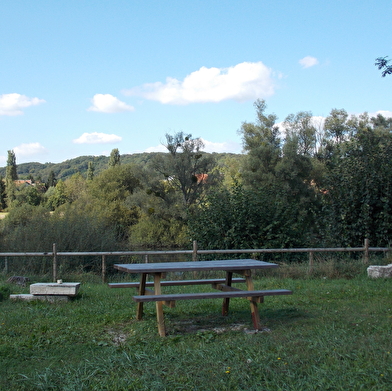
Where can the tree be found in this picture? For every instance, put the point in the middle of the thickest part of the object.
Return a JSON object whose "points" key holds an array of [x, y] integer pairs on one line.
{"points": [[10, 177], [52, 181], [90, 171], [58, 196], [385, 65], [2, 193], [114, 159], [357, 200], [11, 171], [261, 141], [383, 122], [242, 217], [282, 174], [335, 125], [109, 192], [301, 127], [27, 194], [185, 168]]}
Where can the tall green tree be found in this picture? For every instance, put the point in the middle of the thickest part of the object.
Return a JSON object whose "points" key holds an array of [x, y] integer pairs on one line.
{"points": [[11, 171], [185, 168], [2, 193], [90, 171], [336, 126], [10, 177], [301, 126], [358, 195], [58, 196], [114, 158], [52, 180], [262, 144]]}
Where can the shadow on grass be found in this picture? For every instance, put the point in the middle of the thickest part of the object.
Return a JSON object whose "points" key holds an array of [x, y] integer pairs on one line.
{"points": [[236, 321]]}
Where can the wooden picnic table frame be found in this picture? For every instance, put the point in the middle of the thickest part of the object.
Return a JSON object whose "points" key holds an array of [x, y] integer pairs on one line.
{"points": [[242, 267]]}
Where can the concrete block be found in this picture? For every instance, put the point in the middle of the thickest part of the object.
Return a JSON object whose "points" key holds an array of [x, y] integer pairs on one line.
{"points": [[53, 289], [30, 297], [380, 271]]}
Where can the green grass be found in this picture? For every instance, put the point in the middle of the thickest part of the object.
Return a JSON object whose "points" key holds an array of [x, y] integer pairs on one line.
{"points": [[331, 334]]}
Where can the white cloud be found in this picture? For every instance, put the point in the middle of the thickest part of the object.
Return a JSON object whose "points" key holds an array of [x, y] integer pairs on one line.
{"points": [[12, 104], [385, 113], [308, 61], [106, 103], [242, 82], [30, 149], [158, 148], [209, 146], [226, 146], [97, 138]]}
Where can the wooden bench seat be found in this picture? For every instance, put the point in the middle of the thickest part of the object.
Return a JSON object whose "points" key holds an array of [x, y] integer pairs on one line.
{"points": [[210, 295], [174, 282]]}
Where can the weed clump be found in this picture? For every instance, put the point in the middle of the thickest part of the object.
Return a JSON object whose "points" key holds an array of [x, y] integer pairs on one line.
{"points": [[4, 292]]}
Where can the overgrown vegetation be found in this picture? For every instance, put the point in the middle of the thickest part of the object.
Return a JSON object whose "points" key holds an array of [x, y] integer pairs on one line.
{"points": [[304, 185], [330, 334]]}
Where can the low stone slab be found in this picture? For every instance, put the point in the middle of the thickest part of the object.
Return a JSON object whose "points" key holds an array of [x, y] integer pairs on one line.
{"points": [[380, 271], [53, 289], [30, 297]]}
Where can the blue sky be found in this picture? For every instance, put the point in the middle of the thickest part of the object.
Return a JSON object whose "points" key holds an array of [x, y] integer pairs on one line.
{"points": [[82, 77]]}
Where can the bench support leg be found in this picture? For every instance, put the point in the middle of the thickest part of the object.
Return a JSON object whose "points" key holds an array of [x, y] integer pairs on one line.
{"points": [[142, 291], [226, 301], [159, 305], [253, 303]]}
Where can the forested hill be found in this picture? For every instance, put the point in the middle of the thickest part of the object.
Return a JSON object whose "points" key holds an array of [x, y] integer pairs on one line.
{"points": [[80, 164]]}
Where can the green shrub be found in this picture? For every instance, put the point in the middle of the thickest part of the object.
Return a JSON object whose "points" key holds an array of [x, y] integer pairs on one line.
{"points": [[4, 292]]}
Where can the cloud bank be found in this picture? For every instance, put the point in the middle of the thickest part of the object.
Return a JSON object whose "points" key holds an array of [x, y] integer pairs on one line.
{"points": [[106, 103], [242, 82], [385, 113], [97, 138], [13, 104], [29, 149], [308, 61]]}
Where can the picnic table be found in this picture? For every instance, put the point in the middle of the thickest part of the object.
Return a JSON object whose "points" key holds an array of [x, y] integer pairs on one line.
{"points": [[223, 286]]}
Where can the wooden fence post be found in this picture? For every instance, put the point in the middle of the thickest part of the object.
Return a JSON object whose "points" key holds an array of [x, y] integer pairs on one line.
{"points": [[146, 258], [104, 269], [54, 263], [366, 252], [194, 254]]}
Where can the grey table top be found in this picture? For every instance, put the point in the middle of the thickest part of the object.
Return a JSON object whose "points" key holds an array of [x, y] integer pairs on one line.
{"points": [[227, 265]]}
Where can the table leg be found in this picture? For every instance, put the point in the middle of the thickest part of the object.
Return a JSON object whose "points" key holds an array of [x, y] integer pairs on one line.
{"points": [[142, 291], [253, 304], [159, 305], [226, 301]]}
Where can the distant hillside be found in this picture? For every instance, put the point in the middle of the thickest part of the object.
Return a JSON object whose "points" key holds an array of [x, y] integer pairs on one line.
{"points": [[67, 168]]}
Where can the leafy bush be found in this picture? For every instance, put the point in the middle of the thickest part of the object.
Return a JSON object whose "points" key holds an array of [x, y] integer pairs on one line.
{"points": [[245, 218], [4, 292]]}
